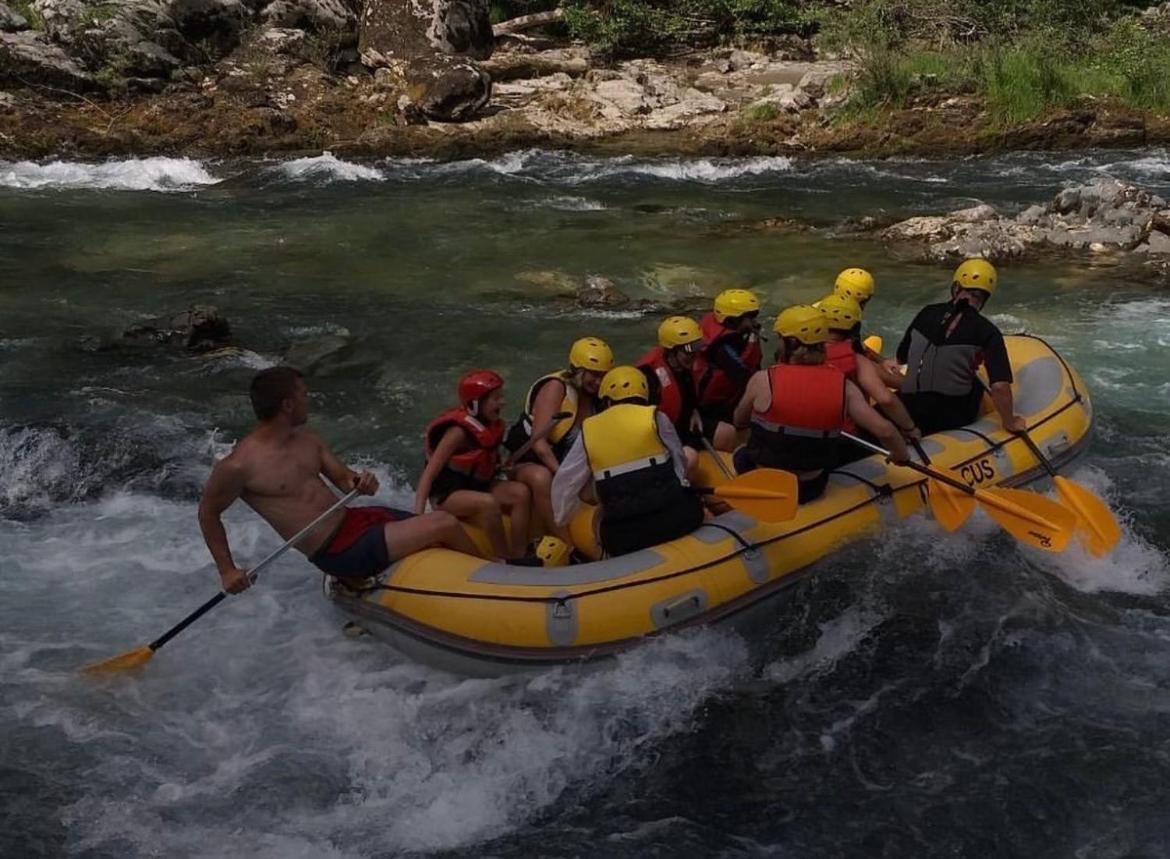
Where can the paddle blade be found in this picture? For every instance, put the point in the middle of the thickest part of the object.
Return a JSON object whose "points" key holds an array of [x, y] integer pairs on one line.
{"points": [[1097, 527], [950, 507], [873, 343], [766, 494], [123, 662], [1030, 518]]}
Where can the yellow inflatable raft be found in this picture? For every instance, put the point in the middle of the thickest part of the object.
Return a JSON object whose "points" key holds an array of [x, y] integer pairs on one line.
{"points": [[476, 617]]}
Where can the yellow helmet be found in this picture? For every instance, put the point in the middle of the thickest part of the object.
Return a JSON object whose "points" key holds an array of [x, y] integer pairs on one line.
{"points": [[678, 331], [975, 274], [624, 383], [735, 302], [855, 283], [803, 322], [553, 551], [841, 311], [589, 353]]}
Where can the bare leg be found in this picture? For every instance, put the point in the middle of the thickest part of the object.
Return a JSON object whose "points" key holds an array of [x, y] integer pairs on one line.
{"points": [[724, 437], [515, 500], [421, 532], [539, 480], [483, 510]]}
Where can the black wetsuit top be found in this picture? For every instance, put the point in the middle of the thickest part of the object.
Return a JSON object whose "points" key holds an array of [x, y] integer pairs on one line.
{"points": [[941, 390]]}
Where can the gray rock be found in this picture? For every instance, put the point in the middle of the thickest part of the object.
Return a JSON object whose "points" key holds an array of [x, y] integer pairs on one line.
{"points": [[740, 60], [446, 88], [600, 291], [314, 355], [407, 30], [1156, 243], [29, 58], [11, 22], [282, 40], [1031, 216], [311, 15], [199, 329]]}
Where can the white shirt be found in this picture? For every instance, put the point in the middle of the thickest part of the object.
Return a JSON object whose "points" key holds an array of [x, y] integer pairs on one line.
{"points": [[574, 472]]}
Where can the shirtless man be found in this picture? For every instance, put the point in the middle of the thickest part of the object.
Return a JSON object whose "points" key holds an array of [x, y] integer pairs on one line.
{"points": [[277, 469]]}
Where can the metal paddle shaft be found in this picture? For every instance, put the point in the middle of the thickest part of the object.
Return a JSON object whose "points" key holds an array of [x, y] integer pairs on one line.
{"points": [[921, 469], [253, 573], [542, 434], [138, 656], [715, 456]]}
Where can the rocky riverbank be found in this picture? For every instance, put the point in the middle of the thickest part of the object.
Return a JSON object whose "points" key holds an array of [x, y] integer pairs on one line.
{"points": [[291, 79]]}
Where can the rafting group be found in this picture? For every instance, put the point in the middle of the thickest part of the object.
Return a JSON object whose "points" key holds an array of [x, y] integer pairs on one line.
{"points": [[625, 438]]}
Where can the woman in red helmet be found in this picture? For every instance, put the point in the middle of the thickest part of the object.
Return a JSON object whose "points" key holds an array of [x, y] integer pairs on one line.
{"points": [[462, 449]]}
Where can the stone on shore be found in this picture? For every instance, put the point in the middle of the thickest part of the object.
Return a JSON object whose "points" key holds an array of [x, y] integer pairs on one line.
{"points": [[1103, 216], [11, 22]]}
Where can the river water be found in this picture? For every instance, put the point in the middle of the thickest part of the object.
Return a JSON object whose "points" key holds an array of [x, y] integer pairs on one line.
{"points": [[917, 694]]}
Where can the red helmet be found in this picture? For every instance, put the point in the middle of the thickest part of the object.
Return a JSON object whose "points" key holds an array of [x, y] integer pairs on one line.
{"points": [[476, 385]]}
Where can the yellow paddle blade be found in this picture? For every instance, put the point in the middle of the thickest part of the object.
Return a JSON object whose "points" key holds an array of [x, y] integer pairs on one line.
{"points": [[873, 343], [1098, 528], [951, 508], [123, 662], [1030, 518], [767, 494]]}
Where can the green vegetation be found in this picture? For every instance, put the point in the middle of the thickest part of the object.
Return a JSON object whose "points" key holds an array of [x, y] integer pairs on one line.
{"points": [[25, 9], [1021, 75]]}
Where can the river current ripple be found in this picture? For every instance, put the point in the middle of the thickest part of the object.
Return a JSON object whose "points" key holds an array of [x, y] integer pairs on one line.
{"points": [[917, 694]]}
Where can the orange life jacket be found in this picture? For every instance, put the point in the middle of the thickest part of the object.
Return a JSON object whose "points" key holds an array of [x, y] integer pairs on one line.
{"points": [[713, 386], [670, 401], [480, 461], [800, 429]]}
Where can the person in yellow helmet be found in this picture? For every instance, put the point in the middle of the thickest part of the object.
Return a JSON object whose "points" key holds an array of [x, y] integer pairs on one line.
{"points": [[945, 345], [730, 355], [633, 458], [855, 283], [574, 391], [844, 351], [797, 408], [667, 368]]}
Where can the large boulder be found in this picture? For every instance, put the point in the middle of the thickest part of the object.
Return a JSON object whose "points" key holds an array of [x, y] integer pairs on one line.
{"points": [[11, 22], [144, 38], [29, 58], [434, 43]]}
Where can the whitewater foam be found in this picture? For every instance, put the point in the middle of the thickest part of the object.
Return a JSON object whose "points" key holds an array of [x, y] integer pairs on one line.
{"points": [[133, 174], [328, 167]]}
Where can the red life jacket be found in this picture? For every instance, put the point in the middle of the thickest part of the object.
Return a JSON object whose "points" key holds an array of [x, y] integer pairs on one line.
{"points": [[481, 461], [843, 356], [670, 401], [713, 386], [800, 429]]}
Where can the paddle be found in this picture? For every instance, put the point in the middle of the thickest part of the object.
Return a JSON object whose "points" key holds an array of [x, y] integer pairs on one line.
{"points": [[1030, 518], [710, 448], [1096, 525], [516, 456], [141, 655], [766, 494], [950, 508]]}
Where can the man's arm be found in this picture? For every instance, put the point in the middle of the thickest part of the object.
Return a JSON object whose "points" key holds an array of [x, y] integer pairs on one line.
{"points": [[868, 419], [742, 416], [341, 475], [669, 436], [999, 374], [224, 486], [572, 476], [903, 351], [870, 382]]}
